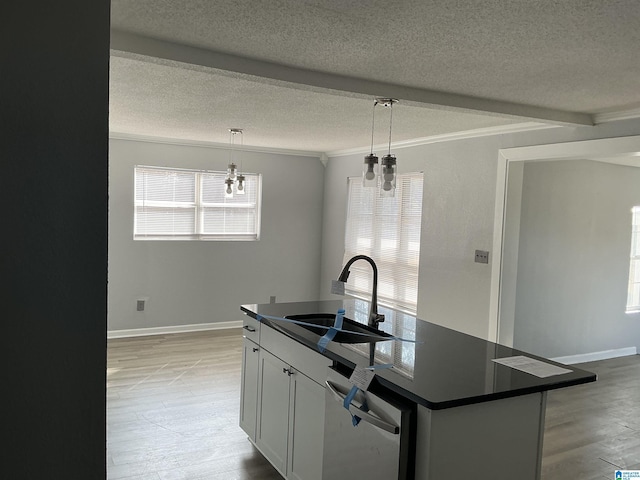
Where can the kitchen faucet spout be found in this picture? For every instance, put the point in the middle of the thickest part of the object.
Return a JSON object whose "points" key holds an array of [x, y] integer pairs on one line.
{"points": [[374, 317]]}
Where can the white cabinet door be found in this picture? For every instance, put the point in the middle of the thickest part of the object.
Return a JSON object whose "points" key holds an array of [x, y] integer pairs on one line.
{"points": [[273, 410], [306, 433], [289, 418], [249, 387]]}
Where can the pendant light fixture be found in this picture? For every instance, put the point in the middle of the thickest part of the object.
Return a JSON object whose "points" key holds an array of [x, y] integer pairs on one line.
{"points": [[234, 176], [370, 167], [387, 178], [388, 187]]}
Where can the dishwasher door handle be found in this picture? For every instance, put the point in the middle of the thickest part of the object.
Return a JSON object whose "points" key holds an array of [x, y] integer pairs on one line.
{"points": [[364, 416]]}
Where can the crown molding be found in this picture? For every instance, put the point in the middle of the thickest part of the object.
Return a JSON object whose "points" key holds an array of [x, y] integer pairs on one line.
{"points": [[323, 156], [201, 143], [448, 137], [615, 116]]}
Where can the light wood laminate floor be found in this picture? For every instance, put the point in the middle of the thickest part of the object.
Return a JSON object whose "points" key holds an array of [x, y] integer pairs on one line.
{"points": [[173, 402]]}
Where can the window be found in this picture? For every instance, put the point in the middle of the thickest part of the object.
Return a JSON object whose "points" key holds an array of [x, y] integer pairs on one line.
{"points": [[387, 230], [176, 204], [401, 354], [633, 298]]}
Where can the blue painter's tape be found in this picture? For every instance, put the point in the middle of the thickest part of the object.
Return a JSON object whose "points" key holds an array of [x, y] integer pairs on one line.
{"points": [[355, 420], [327, 337]]}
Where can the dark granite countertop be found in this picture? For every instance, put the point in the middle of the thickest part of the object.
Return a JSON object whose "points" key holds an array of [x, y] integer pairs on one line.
{"points": [[443, 369]]}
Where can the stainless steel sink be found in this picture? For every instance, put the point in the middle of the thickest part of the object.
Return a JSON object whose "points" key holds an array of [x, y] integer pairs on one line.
{"points": [[351, 332]]}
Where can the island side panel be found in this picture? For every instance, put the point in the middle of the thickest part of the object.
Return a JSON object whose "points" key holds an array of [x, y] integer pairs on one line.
{"points": [[500, 440]]}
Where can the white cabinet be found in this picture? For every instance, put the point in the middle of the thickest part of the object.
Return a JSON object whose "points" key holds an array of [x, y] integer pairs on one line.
{"points": [[249, 387], [289, 403], [290, 419], [272, 432], [306, 429]]}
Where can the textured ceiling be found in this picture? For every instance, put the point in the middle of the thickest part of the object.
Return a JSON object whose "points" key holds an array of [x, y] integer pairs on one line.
{"points": [[522, 60]]}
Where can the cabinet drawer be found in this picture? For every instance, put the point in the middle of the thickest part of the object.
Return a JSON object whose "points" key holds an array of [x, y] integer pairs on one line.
{"points": [[309, 362], [251, 329]]}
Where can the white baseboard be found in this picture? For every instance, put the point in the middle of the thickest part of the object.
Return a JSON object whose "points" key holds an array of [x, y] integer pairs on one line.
{"points": [[594, 356], [140, 332]]}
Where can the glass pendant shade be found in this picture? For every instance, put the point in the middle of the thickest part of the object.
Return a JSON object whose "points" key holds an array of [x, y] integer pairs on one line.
{"points": [[231, 171], [240, 186], [228, 188], [388, 176], [370, 171]]}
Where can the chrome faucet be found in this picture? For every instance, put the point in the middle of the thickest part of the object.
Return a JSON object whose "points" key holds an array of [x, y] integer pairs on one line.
{"points": [[337, 287]]}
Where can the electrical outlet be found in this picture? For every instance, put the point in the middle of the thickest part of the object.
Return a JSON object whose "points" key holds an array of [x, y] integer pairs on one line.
{"points": [[140, 305], [482, 256]]}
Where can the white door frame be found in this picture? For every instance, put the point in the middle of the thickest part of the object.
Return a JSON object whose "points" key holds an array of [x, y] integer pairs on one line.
{"points": [[620, 150]]}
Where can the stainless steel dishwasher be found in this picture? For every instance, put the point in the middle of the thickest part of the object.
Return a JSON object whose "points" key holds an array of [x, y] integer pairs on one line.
{"points": [[379, 447]]}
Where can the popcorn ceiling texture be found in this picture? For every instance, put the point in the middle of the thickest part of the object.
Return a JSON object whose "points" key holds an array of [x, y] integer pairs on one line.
{"points": [[570, 55]]}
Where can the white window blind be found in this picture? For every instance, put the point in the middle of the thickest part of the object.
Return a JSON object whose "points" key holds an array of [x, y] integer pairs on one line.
{"points": [[387, 230], [176, 204], [633, 298]]}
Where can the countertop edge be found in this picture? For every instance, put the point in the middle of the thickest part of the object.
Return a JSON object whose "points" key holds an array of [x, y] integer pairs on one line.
{"points": [[458, 402]]}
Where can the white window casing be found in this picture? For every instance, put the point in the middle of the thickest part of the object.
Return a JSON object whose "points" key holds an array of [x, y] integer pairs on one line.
{"points": [[181, 204]]}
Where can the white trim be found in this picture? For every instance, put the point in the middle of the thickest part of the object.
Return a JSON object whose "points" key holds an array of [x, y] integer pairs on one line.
{"points": [[594, 356], [600, 150], [615, 116], [448, 137], [445, 137], [201, 143], [200, 327], [493, 335]]}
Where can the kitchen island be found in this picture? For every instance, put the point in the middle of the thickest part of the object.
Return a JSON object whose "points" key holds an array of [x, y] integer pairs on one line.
{"points": [[472, 415]]}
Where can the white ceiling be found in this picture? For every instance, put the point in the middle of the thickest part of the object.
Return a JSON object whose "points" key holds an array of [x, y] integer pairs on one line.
{"points": [[302, 74]]}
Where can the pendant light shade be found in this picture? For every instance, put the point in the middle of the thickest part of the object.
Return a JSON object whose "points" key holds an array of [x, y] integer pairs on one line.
{"points": [[370, 171], [388, 176], [228, 188], [231, 171], [240, 186]]}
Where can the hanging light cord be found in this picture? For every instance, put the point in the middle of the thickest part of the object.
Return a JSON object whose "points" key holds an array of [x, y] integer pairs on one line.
{"points": [[234, 132], [241, 148], [390, 124], [373, 122], [232, 142]]}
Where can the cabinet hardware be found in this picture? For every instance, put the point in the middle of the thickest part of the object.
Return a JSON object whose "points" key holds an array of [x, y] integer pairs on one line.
{"points": [[288, 371], [250, 329], [255, 349]]}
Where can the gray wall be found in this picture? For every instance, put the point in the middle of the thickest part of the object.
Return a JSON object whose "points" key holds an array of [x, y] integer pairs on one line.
{"points": [[458, 217], [304, 234], [53, 188], [573, 263], [193, 282]]}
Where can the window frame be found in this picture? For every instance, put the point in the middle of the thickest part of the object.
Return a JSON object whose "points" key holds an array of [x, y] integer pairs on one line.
{"points": [[200, 206], [401, 299], [633, 294]]}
